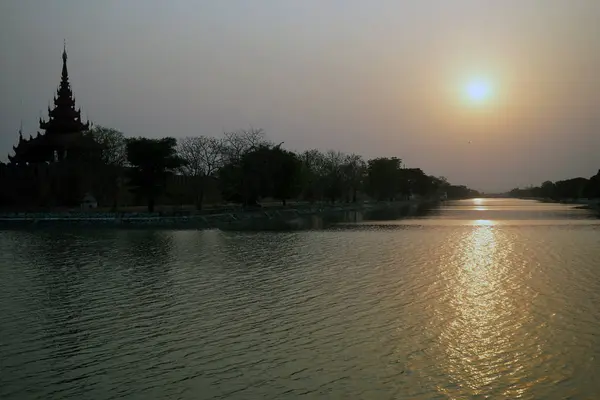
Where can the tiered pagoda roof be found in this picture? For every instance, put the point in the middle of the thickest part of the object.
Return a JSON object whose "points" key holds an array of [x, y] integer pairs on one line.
{"points": [[64, 130]]}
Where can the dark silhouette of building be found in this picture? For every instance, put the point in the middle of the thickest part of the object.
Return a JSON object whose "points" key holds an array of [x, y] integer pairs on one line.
{"points": [[65, 136], [54, 168]]}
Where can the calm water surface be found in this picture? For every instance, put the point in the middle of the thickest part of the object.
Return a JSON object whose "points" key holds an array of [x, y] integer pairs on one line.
{"points": [[479, 299]]}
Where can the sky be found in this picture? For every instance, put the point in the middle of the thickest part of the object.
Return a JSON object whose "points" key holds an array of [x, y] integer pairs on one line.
{"points": [[377, 78]]}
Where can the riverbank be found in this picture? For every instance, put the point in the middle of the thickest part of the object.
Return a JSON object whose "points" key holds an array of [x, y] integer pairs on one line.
{"points": [[204, 220], [581, 204]]}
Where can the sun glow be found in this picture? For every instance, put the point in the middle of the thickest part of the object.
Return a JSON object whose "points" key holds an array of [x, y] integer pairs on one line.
{"points": [[478, 91]]}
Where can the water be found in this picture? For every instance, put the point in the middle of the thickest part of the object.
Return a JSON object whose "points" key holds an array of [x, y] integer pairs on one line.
{"points": [[492, 300]]}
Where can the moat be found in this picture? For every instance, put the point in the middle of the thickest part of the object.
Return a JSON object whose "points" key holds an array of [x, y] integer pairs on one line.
{"points": [[483, 298]]}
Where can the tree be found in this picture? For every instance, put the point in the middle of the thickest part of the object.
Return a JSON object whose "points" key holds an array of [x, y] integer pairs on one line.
{"points": [[113, 142], [265, 171], [571, 188], [415, 182], [202, 157], [151, 162], [384, 178], [354, 170], [235, 144], [310, 174], [234, 179], [285, 170], [592, 189], [332, 175], [113, 157], [460, 192], [547, 190]]}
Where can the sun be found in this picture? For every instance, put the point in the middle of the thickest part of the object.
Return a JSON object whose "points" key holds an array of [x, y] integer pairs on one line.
{"points": [[478, 90]]}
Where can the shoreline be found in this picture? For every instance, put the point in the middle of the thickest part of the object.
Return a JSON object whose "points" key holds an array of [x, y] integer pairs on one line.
{"points": [[580, 204], [200, 220]]}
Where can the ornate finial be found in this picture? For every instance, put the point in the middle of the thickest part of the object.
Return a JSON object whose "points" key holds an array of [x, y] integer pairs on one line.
{"points": [[64, 54], [21, 124]]}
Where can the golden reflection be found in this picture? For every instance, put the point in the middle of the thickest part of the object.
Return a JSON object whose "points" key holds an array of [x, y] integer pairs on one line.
{"points": [[479, 205], [471, 330], [484, 222], [479, 332]]}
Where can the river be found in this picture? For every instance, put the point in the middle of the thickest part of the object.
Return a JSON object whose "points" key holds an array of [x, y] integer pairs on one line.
{"points": [[492, 298]]}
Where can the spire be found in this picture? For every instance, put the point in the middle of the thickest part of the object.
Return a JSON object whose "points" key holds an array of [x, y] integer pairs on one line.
{"points": [[64, 117], [65, 73]]}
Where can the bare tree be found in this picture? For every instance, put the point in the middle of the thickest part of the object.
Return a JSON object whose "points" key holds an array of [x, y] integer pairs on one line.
{"points": [[236, 143], [202, 157]]}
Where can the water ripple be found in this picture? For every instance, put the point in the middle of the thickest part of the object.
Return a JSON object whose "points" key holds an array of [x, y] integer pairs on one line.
{"points": [[416, 310]]}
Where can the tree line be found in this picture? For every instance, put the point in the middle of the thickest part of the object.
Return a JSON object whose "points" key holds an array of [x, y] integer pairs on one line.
{"points": [[574, 188], [247, 167]]}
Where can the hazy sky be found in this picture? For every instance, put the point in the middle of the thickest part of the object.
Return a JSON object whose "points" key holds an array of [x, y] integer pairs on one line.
{"points": [[379, 78]]}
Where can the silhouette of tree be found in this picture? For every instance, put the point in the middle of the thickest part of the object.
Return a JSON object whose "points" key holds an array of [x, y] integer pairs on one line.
{"points": [[571, 188], [310, 175], [151, 161], [332, 175], [547, 190], [285, 170], [202, 157], [568, 189], [113, 143], [266, 171], [419, 183], [458, 192], [384, 178], [592, 189], [236, 144], [354, 171], [114, 157]]}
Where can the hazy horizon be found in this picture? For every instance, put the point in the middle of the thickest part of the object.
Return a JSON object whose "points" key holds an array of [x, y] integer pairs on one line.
{"points": [[382, 78]]}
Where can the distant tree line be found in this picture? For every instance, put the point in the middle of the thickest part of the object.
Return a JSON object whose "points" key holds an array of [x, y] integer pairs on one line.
{"points": [[248, 168], [244, 167], [575, 188]]}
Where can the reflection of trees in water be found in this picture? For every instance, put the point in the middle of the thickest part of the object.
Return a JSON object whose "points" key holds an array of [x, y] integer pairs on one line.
{"points": [[296, 223], [326, 220]]}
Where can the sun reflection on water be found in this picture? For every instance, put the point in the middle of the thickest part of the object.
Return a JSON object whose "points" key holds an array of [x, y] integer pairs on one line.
{"points": [[480, 338], [479, 205], [483, 222]]}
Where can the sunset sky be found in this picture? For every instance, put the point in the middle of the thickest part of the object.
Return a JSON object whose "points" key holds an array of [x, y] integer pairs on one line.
{"points": [[492, 94]]}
